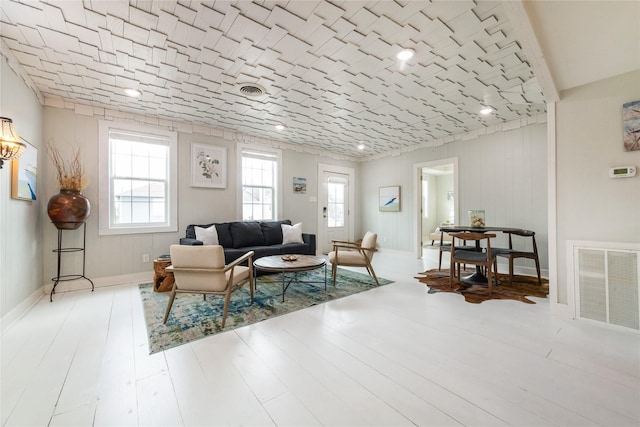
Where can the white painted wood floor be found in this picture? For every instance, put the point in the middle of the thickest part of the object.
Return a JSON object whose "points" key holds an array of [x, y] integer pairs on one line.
{"points": [[392, 356]]}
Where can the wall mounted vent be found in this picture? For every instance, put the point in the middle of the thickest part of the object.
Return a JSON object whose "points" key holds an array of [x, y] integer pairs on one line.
{"points": [[607, 285]]}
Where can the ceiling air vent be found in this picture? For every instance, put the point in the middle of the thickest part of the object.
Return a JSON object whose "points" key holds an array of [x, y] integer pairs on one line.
{"points": [[251, 89]]}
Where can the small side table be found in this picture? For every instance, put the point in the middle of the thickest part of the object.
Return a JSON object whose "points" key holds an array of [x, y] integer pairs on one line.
{"points": [[60, 250], [162, 279]]}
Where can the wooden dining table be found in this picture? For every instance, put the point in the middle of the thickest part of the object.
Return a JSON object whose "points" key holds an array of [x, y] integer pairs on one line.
{"points": [[476, 277]]}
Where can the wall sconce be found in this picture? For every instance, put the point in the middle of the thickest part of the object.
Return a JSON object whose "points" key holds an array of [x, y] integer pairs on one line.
{"points": [[10, 145]]}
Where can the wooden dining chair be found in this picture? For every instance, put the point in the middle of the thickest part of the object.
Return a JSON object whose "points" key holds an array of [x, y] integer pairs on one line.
{"points": [[446, 247], [512, 253], [486, 258]]}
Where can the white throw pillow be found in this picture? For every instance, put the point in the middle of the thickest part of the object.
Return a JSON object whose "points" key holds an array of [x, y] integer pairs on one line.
{"points": [[208, 236], [292, 233]]}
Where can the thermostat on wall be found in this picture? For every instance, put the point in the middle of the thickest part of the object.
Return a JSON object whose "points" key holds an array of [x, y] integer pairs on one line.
{"points": [[622, 172]]}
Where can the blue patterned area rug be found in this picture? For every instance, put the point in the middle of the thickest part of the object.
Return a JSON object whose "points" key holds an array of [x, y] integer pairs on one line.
{"points": [[192, 318]]}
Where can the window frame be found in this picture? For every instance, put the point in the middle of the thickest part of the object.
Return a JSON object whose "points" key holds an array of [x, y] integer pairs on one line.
{"points": [[345, 183], [105, 228], [277, 189]]}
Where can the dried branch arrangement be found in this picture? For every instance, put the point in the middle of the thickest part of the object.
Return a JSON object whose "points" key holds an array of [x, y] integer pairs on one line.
{"points": [[71, 175]]}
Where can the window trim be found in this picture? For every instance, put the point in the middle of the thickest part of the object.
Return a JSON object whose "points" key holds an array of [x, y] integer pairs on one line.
{"points": [[278, 182], [104, 196]]}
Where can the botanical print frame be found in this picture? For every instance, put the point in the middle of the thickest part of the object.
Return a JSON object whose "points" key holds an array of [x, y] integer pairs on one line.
{"points": [[389, 199], [208, 166], [24, 171], [631, 125]]}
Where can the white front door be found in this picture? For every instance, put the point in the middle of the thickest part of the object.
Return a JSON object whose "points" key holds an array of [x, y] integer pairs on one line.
{"points": [[335, 208]]}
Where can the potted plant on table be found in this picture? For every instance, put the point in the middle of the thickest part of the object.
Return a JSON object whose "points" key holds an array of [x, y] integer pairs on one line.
{"points": [[69, 208]]}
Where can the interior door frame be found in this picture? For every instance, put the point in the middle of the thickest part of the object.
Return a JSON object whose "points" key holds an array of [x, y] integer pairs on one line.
{"points": [[417, 196], [342, 170]]}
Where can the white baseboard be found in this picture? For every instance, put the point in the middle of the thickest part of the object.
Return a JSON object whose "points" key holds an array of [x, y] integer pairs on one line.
{"points": [[503, 268], [18, 311]]}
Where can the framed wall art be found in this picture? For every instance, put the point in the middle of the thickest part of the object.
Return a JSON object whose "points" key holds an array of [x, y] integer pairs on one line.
{"points": [[631, 125], [389, 199], [299, 185], [24, 173], [208, 166]]}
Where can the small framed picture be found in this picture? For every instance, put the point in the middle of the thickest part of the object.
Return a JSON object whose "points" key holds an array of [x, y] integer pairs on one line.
{"points": [[23, 177], [389, 199], [299, 185], [208, 166]]}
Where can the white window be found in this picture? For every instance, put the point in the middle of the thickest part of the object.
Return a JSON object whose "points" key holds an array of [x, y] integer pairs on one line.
{"points": [[138, 177], [336, 191], [260, 184]]}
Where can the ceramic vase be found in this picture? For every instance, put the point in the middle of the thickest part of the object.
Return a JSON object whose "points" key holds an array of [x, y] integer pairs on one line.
{"points": [[68, 209]]}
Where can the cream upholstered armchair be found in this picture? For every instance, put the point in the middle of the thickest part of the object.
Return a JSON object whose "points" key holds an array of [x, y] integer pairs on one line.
{"points": [[201, 270], [354, 254]]}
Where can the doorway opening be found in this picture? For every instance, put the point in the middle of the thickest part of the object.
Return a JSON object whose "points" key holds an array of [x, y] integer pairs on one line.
{"points": [[436, 199]]}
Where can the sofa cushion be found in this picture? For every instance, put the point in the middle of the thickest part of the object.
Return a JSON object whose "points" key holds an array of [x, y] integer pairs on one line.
{"points": [[231, 255], [224, 235], [191, 232], [292, 233], [261, 251], [245, 234], [272, 231], [208, 236], [295, 248]]}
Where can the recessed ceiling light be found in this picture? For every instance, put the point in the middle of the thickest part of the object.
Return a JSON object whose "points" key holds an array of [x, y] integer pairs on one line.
{"points": [[280, 127], [405, 54], [486, 110], [134, 93], [361, 146]]}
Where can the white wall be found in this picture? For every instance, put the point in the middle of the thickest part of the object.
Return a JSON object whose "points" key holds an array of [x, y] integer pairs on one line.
{"points": [[504, 173], [590, 205], [21, 247]]}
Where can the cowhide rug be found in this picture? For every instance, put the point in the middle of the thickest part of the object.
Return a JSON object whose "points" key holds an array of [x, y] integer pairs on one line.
{"points": [[522, 287]]}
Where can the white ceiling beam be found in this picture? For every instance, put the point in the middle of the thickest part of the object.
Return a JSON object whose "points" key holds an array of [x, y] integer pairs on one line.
{"points": [[526, 35]]}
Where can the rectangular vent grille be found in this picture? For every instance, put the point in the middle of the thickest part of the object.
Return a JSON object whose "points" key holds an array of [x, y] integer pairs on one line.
{"points": [[608, 286]]}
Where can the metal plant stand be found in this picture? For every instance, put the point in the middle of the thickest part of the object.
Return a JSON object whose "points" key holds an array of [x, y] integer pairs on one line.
{"points": [[62, 250]]}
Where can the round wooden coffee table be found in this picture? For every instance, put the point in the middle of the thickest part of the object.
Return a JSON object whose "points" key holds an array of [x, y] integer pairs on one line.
{"points": [[285, 264]]}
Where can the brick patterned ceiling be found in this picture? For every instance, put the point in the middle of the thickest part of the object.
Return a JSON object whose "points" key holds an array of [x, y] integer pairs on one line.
{"points": [[329, 68]]}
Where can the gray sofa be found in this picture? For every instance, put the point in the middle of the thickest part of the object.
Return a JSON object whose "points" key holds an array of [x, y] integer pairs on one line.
{"points": [[262, 237]]}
